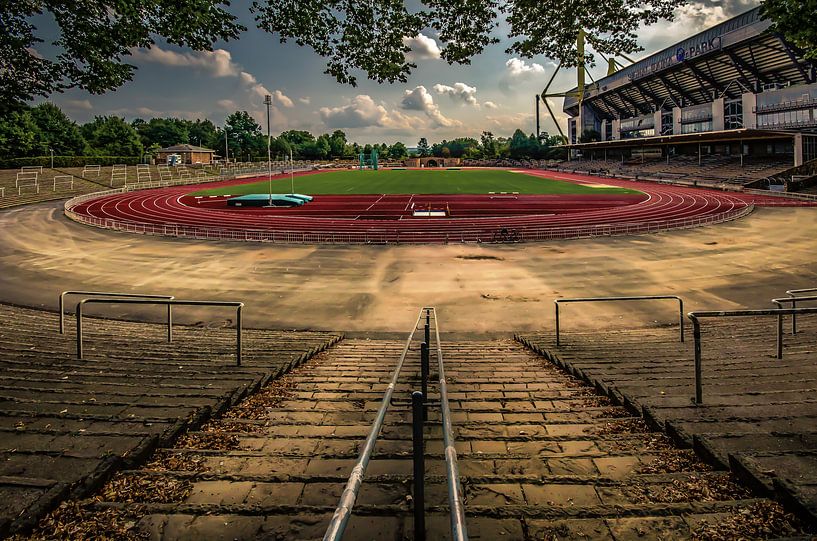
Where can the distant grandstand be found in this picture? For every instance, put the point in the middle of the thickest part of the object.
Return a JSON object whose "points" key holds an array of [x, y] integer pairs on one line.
{"points": [[735, 103]]}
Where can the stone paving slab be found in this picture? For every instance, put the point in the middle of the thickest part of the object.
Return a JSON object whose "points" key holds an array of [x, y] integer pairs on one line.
{"points": [[759, 415], [67, 424]]}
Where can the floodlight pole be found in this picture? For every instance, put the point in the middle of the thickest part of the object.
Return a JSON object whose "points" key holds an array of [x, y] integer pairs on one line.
{"points": [[51, 150], [268, 102], [226, 148], [291, 172]]}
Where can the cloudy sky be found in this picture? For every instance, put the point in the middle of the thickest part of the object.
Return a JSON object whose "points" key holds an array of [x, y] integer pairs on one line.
{"points": [[495, 93]]}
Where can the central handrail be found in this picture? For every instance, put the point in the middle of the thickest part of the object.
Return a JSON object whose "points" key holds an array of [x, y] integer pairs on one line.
{"points": [[696, 333], [779, 302], [168, 302], [627, 298], [337, 525], [109, 294], [793, 294], [456, 504]]}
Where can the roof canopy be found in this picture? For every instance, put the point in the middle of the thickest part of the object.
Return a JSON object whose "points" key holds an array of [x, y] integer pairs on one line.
{"points": [[185, 148]]}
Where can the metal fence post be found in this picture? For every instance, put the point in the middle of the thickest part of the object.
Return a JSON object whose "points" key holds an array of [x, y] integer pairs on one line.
{"points": [[424, 374], [417, 399], [696, 333], [557, 322], [780, 336], [681, 316], [238, 334], [79, 330], [169, 323], [428, 327]]}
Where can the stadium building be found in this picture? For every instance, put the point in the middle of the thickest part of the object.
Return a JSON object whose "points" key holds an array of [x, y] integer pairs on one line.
{"points": [[737, 96]]}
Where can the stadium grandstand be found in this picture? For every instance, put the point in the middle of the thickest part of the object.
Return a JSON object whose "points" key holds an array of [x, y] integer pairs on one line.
{"points": [[736, 103]]}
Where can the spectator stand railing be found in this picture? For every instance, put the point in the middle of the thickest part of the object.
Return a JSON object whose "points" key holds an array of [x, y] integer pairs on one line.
{"points": [[695, 317], [795, 294], [166, 302], [110, 294], [557, 302], [419, 405]]}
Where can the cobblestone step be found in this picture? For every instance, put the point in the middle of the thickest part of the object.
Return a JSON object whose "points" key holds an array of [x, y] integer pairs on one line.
{"points": [[541, 456]]}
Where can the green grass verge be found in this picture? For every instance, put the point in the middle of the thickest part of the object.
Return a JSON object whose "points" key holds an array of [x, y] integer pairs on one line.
{"points": [[413, 181]]}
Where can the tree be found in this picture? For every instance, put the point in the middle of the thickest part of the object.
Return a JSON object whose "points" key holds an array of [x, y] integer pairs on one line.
{"points": [[796, 20], [398, 151], [111, 136], [18, 134], [93, 38], [370, 36], [422, 147], [202, 133], [337, 144], [489, 145], [164, 132], [57, 132], [244, 135]]}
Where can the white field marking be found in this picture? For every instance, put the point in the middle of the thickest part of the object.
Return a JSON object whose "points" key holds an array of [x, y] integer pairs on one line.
{"points": [[409, 203], [591, 185], [376, 202]]}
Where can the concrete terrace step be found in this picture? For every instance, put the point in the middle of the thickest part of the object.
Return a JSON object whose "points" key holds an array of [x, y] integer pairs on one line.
{"points": [[540, 455], [753, 403], [66, 424]]}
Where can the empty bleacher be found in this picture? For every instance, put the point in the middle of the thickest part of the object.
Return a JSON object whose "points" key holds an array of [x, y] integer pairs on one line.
{"points": [[67, 424]]}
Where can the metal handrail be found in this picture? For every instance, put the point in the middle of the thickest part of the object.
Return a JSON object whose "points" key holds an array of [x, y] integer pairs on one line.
{"points": [[779, 302], [696, 333], [628, 298], [456, 503], [169, 302], [793, 293], [109, 294], [343, 512]]}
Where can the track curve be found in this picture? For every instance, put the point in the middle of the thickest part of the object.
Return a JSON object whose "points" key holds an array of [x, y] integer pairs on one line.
{"points": [[171, 211]]}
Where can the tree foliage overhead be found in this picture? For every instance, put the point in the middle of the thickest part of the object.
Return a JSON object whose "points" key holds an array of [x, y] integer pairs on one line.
{"points": [[371, 35], [94, 37], [797, 20]]}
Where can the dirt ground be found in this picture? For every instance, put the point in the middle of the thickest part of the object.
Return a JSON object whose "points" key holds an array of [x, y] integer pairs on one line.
{"points": [[476, 288]]}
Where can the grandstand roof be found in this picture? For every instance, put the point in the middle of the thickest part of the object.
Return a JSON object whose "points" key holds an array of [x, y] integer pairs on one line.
{"points": [[729, 59], [705, 138]]}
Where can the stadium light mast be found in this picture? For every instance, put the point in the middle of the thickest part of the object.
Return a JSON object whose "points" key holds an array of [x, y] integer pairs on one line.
{"points": [[291, 172], [268, 102]]}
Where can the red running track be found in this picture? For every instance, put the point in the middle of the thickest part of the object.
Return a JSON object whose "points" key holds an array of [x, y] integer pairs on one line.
{"points": [[376, 218]]}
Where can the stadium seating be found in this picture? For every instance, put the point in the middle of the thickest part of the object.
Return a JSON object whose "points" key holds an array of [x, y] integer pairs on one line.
{"points": [[66, 423]]}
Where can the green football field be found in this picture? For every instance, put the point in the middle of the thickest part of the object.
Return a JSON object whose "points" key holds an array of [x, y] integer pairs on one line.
{"points": [[415, 181]]}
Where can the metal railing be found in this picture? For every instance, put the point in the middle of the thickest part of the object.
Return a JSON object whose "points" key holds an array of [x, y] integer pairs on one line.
{"points": [[793, 293], [456, 501], [419, 406], [343, 512], [114, 295], [780, 302], [168, 302], [696, 333], [383, 235], [616, 299]]}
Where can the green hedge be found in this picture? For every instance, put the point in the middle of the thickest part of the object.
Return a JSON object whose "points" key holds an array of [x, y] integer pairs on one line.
{"points": [[69, 161]]}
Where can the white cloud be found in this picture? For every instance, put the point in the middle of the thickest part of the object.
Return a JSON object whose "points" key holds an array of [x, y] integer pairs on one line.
{"points": [[227, 105], [490, 105], [517, 67], [218, 63], [78, 105], [420, 99], [460, 91], [306, 100], [281, 98], [362, 112], [422, 47]]}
